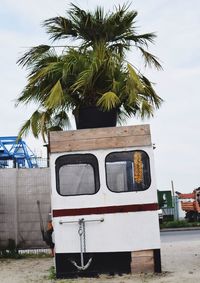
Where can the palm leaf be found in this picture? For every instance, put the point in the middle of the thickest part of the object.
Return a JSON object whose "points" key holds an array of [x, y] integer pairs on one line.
{"points": [[141, 39], [146, 110], [59, 28], [150, 93], [42, 73], [135, 79], [56, 96], [108, 101], [24, 130], [33, 55], [150, 59], [61, 119], [35, 123]]}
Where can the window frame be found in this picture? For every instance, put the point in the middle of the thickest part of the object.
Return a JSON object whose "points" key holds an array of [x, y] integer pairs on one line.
{"points": [[129, 151], [77, 158]]}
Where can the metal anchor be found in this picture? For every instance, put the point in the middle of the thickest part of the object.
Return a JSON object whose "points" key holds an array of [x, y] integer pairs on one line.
{"points": [[81, 232], [82, 235]]}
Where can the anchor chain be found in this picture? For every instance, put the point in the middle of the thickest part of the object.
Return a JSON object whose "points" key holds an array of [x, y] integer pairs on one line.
{"points": [[82, 235]]}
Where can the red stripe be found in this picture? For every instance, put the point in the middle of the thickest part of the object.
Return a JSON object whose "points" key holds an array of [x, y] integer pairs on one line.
{"points": [[105, 210]]}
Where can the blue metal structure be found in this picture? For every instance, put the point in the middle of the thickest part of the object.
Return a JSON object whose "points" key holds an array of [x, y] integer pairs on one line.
{"points": [[16, 150]]}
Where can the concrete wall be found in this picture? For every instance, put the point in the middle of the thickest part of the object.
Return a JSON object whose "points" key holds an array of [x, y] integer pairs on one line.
{"points": [[20, 190]]}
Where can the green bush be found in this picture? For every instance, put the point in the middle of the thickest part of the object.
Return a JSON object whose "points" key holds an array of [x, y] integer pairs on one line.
{"points": [[11, 251], [52, 273], [179, 224]]}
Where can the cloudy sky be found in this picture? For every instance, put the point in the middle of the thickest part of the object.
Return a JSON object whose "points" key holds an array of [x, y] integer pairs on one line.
{"points": [[175, 127]]}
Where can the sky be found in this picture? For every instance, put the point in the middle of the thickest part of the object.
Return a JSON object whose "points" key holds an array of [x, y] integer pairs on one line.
{"points": [[175, 126]]}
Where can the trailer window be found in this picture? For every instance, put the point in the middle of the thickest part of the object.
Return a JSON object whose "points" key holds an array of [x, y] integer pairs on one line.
{"points": [[128, 171], [77, 174]]}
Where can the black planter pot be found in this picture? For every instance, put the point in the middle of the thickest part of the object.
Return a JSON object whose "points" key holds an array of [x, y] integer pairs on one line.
{"points": [[93, 117]]}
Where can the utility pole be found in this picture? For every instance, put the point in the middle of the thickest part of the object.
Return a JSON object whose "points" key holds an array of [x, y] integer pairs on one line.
{"points": [[175, 202]]}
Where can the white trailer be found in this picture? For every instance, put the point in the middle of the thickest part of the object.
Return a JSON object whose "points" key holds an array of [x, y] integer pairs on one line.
{"points": [[104, 201]]}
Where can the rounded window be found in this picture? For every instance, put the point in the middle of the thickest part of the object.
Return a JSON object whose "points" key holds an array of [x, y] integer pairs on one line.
{"points": [[128, 171], [77, 174]]}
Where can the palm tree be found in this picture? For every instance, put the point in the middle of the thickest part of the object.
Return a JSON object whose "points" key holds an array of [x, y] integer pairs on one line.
{"points": [[93, 72]]}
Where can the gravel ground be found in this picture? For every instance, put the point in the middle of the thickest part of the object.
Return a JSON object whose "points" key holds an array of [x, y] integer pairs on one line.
{"points": [[180, 263]]}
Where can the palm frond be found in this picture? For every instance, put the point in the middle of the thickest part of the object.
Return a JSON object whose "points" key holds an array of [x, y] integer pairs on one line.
{"points": [[59, 28], [141, 39], [120, 23], [122, 116], [42, 73], [45, 120], [150, 93], [24, 130], [108, 101], [146, 110], [134, 79], [35, 123], [32, 55], [126, 111], [61, 119], [56, 96], [150, 59], [83, 23], [41, 122]]}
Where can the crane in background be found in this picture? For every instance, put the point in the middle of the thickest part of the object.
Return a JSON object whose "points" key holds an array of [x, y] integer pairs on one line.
{"points": [[17, 151]]}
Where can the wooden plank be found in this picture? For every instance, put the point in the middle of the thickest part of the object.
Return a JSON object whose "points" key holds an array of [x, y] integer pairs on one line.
{"points": [[142, 261], [116, 142], [144, 253], [100, 138], [100, 133]]}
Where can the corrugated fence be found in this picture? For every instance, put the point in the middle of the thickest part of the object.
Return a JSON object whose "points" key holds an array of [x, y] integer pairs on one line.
{"points": [[23, 192]]}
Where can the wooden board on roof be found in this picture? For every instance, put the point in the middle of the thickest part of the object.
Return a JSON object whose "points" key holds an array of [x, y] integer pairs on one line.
{"points": [[99, 138]]}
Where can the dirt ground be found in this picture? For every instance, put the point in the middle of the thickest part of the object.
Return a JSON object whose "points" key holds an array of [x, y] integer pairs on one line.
{"points": [[180, 263]]}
